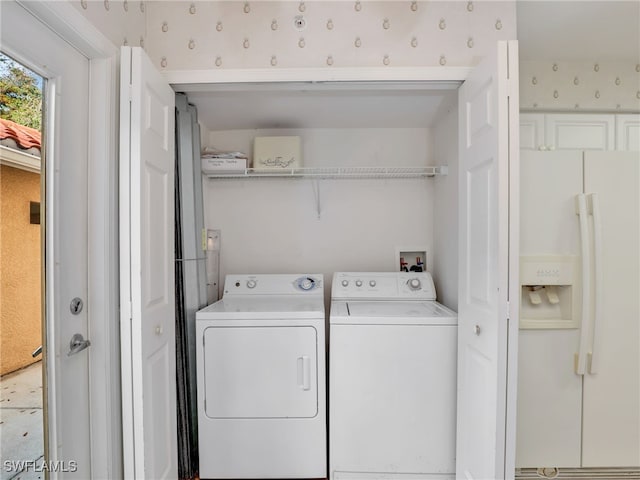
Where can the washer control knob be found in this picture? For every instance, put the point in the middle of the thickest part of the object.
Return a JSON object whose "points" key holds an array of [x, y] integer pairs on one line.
{"points": [[414, 284], [251, 284], [372, 283], [345, 283], [358, 283]]}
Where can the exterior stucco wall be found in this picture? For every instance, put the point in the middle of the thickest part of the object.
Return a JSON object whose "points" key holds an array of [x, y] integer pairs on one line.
{"points": [[20, 254]]}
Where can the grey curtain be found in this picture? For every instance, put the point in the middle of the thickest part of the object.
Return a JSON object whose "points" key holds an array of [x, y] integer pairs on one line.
{"points": [[191, 279]]}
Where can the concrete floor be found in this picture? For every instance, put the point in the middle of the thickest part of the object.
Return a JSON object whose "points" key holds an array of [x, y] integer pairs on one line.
{"points": [[21, 432]]}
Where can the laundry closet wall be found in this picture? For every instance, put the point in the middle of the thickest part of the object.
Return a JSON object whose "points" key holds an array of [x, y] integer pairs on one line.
{"points": [[274, 227]]}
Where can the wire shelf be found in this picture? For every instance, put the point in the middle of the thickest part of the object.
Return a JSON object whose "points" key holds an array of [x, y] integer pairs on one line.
{"points": [[334, 173]]}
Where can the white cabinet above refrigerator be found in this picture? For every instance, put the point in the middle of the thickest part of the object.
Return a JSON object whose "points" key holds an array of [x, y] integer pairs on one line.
{"points": [[580, 131]]}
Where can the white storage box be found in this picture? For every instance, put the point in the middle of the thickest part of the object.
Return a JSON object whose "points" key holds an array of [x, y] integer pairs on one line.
{"points": [[281, 153], [217, 165]]}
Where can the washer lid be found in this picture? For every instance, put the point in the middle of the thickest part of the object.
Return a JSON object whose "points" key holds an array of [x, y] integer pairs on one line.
{"points": [[266, 307], [394, 312]]}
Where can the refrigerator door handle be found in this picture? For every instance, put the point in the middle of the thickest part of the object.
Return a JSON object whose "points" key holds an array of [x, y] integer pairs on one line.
{"points": [[596, 345], [581, 356]]}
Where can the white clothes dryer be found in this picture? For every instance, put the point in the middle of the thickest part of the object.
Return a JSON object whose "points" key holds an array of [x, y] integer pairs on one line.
{"points": [[392, 378], [261, 379]]}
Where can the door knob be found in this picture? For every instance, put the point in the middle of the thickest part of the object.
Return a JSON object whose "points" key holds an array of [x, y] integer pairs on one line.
{"points": [[77, 344], [476, 329]]}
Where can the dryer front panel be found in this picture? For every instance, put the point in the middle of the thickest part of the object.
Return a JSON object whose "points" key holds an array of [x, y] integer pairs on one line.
{"points": [[261, 372]]}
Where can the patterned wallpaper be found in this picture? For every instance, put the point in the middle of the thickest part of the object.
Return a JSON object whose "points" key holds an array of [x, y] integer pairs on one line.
{"points": [[580, 86], [188, 35], [197, 35], [121, 21]]}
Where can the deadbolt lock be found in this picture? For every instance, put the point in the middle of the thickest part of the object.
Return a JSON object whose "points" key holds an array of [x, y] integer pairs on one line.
{"points": [[76, 306]]}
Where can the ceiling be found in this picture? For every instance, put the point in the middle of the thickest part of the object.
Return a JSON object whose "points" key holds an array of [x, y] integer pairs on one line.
{"points": [[316, 107], [579, 30]]}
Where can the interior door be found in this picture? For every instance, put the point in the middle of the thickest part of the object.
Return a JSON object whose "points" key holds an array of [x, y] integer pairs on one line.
{"points": [[488, 268], [66, 94], [147, 121]]}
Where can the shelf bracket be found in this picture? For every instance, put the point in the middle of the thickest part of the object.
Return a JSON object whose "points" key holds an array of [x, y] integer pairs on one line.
{"points": [[316, 192]]}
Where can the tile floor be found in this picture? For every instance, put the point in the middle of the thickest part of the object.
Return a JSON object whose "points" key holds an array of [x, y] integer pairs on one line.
{"points": [[21, 434]]}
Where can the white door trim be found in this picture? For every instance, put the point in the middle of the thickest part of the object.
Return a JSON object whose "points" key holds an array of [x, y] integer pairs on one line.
{"points": [[513, 312], [104, 365], [446, 75]]}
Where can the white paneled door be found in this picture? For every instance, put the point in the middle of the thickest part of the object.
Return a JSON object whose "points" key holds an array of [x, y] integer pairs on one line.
{"points": [[488, 271], [147, 122], [66, 95]]}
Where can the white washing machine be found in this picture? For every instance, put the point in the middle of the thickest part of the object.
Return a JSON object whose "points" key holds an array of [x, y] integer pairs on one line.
{"points": [[392, 378], [261, 379]]}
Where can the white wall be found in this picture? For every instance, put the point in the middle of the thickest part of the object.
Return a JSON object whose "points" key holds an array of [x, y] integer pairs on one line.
{"points": [[272, 225], [345, 147], [445, 241]]}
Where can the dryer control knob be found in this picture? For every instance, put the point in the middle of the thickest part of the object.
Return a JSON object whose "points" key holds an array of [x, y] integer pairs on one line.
{"points": [[306, 283], [358, 283], [251, 284], [372, 283], [345, 283], [414, 284]]}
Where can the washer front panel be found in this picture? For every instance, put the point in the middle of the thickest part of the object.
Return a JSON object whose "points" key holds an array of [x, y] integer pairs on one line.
{"points": [[393, 400]]}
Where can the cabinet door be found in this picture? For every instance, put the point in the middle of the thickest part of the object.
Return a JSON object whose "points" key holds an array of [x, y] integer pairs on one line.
{"points": [[628, 132], [580, 132], [531, 131], [612, 390]]}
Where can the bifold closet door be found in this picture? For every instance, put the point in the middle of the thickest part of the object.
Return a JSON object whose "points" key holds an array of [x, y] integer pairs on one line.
{"points": [[611, 413], [488, 264], [147, 279]]}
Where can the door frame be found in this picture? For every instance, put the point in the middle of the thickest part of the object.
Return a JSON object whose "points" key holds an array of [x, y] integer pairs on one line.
{"points": [[103, 311], [189, 81]]}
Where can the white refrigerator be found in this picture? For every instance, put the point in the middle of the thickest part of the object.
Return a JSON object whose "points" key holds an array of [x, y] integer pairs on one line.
{"points": [[579, 348]]}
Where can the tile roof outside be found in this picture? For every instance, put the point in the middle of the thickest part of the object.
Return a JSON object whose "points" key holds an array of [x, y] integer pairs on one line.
{"points": [[25, 137]]}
